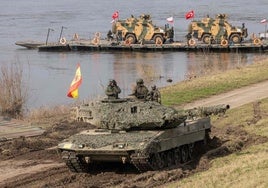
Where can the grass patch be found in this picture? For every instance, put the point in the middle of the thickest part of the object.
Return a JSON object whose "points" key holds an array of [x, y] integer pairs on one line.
{"points": [[246, 168], [209, 85], [245, 117]]}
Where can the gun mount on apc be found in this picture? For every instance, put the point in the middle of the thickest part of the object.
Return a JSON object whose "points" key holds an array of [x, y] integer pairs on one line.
{"points": [[146, 134]]}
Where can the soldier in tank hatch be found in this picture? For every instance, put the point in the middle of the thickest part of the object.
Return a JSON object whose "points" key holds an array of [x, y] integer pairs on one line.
{"points": [[112, 90], [154, 95], [140, 91]]}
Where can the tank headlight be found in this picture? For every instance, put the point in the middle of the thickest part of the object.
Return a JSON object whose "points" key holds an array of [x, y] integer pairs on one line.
{"points": [[81, 146], [120, 145]]}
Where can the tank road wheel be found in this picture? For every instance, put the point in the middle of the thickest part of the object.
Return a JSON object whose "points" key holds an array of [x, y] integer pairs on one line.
{"points": [[184, 153], [130, 39], [170, 158], [158, 39], [177, 156], [156, 161], [191, 150], [164, 163], [206, 38], [235, 38]]}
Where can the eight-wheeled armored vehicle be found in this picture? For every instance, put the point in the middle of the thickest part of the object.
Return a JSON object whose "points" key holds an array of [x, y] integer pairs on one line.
{"points": [[146, 134], [138, 30], [217, 30]]}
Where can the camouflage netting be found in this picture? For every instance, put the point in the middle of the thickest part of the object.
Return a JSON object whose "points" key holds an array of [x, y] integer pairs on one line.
{"points": [[132, 114]]}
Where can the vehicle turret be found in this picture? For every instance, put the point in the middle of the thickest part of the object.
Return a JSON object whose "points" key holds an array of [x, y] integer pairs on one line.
{"points": [[125, 114]]}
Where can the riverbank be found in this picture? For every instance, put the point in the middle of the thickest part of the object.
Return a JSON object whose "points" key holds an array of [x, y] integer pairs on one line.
{"points": [[214, 84], [236, 153]]}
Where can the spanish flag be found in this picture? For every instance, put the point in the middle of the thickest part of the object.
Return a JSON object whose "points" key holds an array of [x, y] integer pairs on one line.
{"points": [[73, 90]]}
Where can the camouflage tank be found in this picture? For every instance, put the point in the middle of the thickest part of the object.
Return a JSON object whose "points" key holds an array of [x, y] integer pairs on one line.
{"points": [[137, 30], [143, 133], [216, 30]]}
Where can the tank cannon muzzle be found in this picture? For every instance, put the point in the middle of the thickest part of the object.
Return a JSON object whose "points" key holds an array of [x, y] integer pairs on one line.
{"points": [[207, 111]]}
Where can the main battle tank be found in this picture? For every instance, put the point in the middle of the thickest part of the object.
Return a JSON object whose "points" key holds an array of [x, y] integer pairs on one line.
{"points": [[146, 134], [216, 29], [133, 30]]}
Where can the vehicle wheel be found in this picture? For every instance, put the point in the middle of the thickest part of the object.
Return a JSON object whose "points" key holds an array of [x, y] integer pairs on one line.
{"points": [[131, 38], [177, 156], [191, 150], [158, 39], [184, 153], [206, 38], [164, 162], [235, 38], [170, 158], [156, 161]]}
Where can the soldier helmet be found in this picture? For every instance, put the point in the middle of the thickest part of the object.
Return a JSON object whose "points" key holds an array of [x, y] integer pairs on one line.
{"points": [[153, 86], [112, 81], [140, 81]]}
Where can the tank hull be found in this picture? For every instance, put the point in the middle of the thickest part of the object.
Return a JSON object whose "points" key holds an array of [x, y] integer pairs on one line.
{"points": [[145, 149]]}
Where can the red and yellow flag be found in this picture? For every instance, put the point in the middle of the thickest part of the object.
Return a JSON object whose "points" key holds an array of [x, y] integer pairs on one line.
{"points": [[73, 90]]}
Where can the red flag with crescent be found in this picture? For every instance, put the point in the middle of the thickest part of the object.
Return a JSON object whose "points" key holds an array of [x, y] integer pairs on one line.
{"points": [[115, 15], [189, 15]]}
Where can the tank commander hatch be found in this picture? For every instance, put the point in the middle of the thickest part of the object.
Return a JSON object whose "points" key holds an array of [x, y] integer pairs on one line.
{"points": [[112, 90], [140, 91]]}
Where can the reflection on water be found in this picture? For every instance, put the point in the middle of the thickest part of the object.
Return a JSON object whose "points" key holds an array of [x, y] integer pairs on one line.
{"points": [[201, 64], [50, 74]]}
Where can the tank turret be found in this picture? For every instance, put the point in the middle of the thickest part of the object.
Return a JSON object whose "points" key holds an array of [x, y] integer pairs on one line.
{"points": [[125, 114]]}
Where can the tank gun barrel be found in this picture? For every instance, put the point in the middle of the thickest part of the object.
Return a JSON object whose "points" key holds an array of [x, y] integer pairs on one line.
{"points": [[207, 111]]}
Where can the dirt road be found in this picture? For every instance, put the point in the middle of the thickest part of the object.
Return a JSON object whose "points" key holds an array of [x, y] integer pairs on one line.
{"points": [[33, 162], [236, 97]]}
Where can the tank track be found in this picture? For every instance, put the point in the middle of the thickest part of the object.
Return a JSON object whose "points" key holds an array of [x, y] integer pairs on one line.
{"points": [[179, 155], [73, 162], [141, 163]]}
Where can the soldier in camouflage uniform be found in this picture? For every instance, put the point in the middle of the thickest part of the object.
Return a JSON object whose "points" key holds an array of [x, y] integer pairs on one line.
{"points": [[154, 95], [112, 90], [140, 90]]}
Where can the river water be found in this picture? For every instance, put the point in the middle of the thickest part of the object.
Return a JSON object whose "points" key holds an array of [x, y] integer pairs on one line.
{"points": [[47, 75]]}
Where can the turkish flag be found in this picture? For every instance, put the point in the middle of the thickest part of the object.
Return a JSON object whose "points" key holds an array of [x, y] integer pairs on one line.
{"points": [[115, 15], [189, 15]]}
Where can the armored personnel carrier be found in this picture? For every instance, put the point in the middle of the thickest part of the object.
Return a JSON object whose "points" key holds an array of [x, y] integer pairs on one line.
{"points": [[137, 30], [143, 133], [217, 30]]}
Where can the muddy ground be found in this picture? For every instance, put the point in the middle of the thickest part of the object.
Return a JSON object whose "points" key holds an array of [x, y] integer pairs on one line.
{"points": [[35, 162]]}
